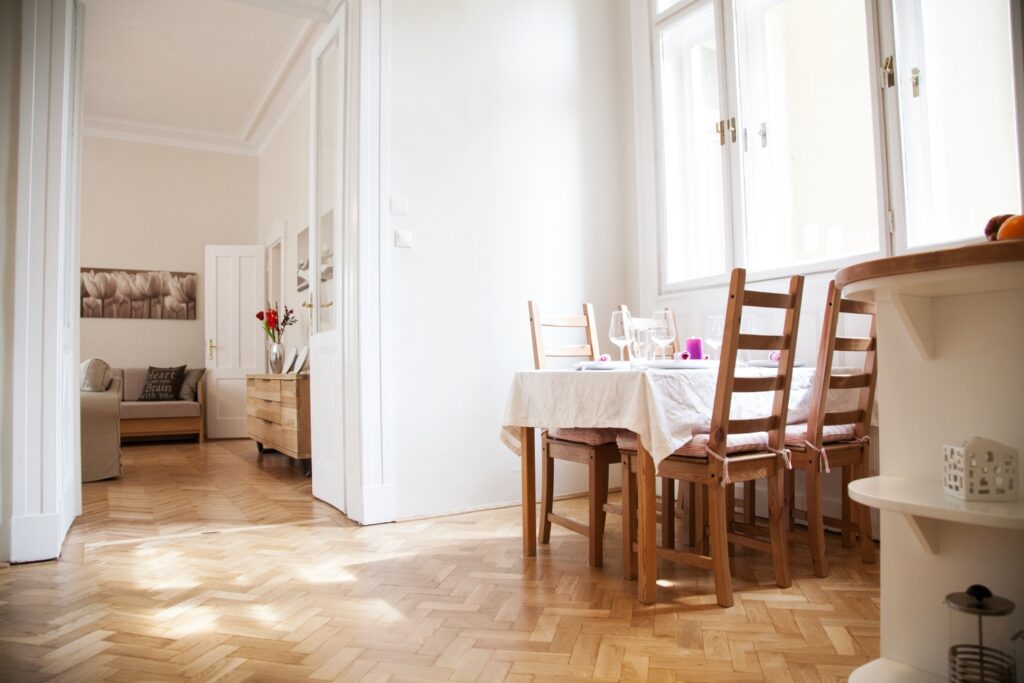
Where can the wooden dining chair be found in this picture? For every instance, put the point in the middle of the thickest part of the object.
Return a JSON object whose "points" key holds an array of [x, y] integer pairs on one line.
{"points": [[835, 439], [735, 450], [594, 448], [672, 348]]}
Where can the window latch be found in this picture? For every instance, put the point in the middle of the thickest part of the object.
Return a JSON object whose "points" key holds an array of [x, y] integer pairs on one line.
{"points": [[720, 129], [732, 128], [889, 72], [763, 132]]}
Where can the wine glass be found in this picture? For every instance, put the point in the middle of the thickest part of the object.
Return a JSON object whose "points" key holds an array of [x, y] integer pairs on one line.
{"points": [[618, 331], [751, 324], [714, 330], [663, 329]]}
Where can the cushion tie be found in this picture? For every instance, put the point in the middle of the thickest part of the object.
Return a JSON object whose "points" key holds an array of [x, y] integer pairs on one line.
{"points": [[726, 480], [787, 456], [823, 463]]}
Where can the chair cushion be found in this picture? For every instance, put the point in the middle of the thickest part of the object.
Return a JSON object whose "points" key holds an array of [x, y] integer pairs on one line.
{"points": [[163, 384], [134, 410], [586, 435], [735, 443], [797, 434]]}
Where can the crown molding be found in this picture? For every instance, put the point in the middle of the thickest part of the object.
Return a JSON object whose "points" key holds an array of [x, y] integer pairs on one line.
{"points": [[314, 10], [299, 41], [134, 131]]}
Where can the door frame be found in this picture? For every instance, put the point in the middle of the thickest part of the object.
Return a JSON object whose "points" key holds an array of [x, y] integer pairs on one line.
{"points": [[364, 266], [42, 494]]}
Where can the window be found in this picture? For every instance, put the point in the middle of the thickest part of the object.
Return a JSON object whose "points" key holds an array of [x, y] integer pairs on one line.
{"points": [[772, 117], [954, 62]]}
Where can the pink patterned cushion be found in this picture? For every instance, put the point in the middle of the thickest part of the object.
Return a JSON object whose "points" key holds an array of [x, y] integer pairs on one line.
{"points": [[735, 443], [590, 436], [797, 434]]}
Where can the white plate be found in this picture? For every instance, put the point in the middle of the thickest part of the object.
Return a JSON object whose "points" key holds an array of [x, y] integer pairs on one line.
{"points": [[602, 365], [300, 360], [696, 364], [772, 364], [289, 360]]}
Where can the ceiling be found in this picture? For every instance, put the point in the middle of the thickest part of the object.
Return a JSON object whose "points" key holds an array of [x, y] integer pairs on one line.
{"points": [[199, 72]]}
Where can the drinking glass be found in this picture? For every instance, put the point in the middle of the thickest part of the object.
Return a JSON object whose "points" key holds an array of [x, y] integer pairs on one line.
{"points": [[714, 330], [640, 344], [662, 330], [618, 332]]}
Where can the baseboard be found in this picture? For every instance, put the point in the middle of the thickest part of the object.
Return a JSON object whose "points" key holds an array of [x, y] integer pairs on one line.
{"points": [[35, 538], [493, 506], [378, 505]]}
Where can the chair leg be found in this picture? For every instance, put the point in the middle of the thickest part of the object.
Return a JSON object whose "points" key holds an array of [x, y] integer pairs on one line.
{"points": [[863, 513], [847, 536], [730, 512], [598, 497], [815, 520], [718, 534], [688, 511], [628, 520], [790, 498], [668, 513], [777, 524], [749, 502], [547, 493], [700, 514]]}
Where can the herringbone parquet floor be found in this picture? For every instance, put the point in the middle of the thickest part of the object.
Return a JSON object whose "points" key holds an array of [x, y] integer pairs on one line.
{"points": [[198, 564]]}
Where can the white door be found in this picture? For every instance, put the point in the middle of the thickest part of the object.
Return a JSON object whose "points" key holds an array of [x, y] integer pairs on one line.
{"points": [[234, 339], [328, 207]]}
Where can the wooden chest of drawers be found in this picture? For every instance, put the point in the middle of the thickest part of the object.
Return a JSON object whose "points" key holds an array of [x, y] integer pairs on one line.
{"points": [[278, 413]]}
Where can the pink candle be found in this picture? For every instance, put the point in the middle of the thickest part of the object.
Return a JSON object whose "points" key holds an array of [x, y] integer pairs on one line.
{"points": [[695, 347]]}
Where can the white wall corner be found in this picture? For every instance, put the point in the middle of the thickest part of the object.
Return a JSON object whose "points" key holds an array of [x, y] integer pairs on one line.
{"points": [[378, 504], [645, 174], [37, 537]]}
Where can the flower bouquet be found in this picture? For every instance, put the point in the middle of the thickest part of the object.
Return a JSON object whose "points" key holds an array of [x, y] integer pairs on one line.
{"points": [[274, 324]]}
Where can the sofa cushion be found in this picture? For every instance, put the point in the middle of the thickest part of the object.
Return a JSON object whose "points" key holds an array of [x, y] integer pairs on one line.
{"points": [[163, 384], [191, 382], [137, 410], [94, 375], [134, 380]]}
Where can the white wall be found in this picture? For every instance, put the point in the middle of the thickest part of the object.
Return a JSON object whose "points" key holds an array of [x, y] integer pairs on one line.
{"points": [[511, 138], [283, 202], [10, 64], [147, 206]]}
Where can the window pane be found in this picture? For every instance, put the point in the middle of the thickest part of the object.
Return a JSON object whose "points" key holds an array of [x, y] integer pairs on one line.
{"points": [[666, 4], [809, 167], [959, 124], [692, 191]]}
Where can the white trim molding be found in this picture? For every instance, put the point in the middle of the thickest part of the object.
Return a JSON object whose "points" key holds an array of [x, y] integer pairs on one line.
{"points": [[45, 486], [152, 134]]}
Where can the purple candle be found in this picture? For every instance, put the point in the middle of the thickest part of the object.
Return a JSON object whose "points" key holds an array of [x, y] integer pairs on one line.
{"points": [[695, 347]]}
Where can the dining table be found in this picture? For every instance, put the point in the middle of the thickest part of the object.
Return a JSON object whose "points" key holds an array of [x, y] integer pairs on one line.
{"points": [[664, 406]]}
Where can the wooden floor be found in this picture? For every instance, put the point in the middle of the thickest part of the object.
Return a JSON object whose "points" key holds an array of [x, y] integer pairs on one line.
{"points": [[201, 564]]}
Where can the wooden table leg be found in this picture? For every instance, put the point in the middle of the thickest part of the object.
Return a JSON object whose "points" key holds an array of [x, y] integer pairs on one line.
{"points": [[527, 448], [646, 521]]}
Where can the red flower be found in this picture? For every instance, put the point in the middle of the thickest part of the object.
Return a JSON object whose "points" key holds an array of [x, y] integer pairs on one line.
{"points": [[272, 319], [259, 316]]}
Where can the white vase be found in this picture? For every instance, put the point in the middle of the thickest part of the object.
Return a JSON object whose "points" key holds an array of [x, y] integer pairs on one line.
{"points": [[276, 358]]}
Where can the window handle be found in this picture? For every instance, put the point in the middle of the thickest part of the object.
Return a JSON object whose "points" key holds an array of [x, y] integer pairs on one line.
{"points": [[763, 132], [732, 128], [889, 72], [720, 129]]}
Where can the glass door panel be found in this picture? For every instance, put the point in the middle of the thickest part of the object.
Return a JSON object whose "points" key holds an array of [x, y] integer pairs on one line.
{"points": [[811, 181], [958, 117], [692, 144], [328, 196]]}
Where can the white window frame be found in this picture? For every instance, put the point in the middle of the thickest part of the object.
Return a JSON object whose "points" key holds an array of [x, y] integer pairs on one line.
{"points": [[892, 220]]}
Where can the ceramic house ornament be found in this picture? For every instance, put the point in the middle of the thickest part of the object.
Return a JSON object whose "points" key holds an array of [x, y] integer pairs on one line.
{"points": [[981, 470]]}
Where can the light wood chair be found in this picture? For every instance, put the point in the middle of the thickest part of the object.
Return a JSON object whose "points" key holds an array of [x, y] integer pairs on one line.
{"points": [[734, 451], [672, 348], [835, 439], [594, 448]]}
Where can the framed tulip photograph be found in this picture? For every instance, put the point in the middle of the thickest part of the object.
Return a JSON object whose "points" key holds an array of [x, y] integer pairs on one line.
{"points": [[143, 294]]}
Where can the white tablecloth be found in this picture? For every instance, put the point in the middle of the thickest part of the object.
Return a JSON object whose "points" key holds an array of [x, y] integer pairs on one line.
{"points": [[665, 407]]}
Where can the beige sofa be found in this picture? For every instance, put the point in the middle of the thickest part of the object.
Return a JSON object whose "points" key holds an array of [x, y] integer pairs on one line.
{"points": [[158, 419], [101, 434]]}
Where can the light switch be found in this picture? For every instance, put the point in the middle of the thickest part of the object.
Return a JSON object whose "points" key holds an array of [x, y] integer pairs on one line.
{"points": [[403, 239], [399, 206]]}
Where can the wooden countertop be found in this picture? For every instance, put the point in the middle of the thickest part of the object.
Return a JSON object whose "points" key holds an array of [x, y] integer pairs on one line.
{"points": [[287, 377], [973, 255]]}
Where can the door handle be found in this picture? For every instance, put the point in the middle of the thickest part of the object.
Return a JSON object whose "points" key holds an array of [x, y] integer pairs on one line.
{"points": [[209, 349], [732, 128], [720, 129], [327, 305]]}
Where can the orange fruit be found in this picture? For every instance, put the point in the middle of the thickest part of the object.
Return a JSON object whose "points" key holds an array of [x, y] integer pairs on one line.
{"points": [[1011, 229]]}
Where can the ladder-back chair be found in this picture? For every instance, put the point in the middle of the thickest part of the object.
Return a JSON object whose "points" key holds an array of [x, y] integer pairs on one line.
{"points": [[650, 323], [836, 439], [594, 448], [736, 450]]}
